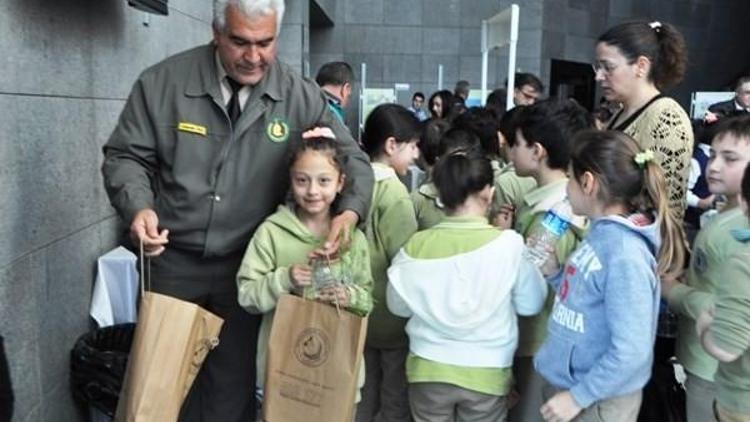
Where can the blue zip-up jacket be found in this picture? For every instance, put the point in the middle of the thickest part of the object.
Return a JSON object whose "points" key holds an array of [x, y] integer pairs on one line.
{"points": [[602, 328]]}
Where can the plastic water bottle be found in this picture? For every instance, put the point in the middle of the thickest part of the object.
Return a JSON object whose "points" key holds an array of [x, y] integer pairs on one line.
{"points": [[553, 227]]}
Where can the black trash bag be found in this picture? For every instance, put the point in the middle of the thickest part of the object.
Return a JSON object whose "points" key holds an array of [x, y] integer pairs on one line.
{"points": [[663, 397], [97, 366]]}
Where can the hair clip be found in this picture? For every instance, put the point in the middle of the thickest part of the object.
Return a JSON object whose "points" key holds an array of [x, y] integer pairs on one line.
{"points": [[644, 157], [319, 132], [655, 25]]}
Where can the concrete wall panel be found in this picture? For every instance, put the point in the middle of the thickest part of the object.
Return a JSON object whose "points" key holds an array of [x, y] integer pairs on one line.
{"points": [[440, 40], [441, 13], [400, 12], [364, 11], [69, 67]]}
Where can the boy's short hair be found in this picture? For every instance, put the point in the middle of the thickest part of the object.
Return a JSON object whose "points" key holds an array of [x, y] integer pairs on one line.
{"points": [[335, 74], [417, 94], [737, 126], [553, 123]]}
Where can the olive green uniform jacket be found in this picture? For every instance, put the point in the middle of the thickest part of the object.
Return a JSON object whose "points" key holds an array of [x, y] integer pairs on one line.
{"points": [[176, 151], [390, 224]]}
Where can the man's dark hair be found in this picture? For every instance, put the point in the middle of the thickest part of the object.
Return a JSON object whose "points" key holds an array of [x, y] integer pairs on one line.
{"points": [[462, 89], [523, 78], [416, 95], [335, 73], [552, 123], [741, 81]]}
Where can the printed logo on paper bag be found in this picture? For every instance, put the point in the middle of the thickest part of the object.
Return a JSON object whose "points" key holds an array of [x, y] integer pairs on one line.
{"points": [[312, 347]]}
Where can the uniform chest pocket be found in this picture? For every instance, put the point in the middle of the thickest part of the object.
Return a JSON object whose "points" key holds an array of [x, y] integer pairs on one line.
{"points": [[188, 145]]}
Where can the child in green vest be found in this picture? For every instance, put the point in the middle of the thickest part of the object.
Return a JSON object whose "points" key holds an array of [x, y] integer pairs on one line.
{"points": [[277, 259], [461, 284], [427, 206], [730, 154], [541, 150], [724, 330], [390, 139]]}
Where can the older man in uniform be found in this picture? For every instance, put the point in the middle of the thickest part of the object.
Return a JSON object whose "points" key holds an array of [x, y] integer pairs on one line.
{"points": [[199, 159]]}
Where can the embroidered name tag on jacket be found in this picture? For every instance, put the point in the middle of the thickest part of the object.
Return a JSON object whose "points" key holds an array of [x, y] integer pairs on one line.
{"points": [[192, 128]]}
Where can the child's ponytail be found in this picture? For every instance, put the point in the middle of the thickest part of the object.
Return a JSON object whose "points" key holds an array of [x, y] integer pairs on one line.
{"points": [[633, 178], [672, 253]]}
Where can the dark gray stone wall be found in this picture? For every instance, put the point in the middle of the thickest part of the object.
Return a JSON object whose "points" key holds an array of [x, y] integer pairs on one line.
{"points": [[404, 41], [715, 32], [68, 68]]}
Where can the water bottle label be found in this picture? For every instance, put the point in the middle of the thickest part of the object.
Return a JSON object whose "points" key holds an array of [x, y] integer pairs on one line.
{"points": [[554, 224]]}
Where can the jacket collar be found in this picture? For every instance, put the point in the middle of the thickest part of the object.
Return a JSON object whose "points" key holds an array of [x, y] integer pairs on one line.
{"points": [[204, 77]]}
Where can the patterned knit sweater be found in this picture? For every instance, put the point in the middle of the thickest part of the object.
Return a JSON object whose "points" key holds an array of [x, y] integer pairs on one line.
{"points": [[665, 128]]}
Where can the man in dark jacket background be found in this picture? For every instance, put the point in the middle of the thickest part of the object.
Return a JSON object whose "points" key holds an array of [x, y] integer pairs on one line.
{"points": [[739, 104]]}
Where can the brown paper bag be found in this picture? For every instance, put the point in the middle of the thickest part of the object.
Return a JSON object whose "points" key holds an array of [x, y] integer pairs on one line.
{"points": [[172, 338], [314, 356]]}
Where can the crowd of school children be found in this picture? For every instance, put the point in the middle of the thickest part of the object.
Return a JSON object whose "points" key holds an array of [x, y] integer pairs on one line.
{"points": [[462, 325]]}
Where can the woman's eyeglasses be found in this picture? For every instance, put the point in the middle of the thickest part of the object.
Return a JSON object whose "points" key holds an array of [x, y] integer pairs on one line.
{"points": [[605, 67]]}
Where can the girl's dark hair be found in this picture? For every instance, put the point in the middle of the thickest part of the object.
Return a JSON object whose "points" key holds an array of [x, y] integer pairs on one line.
{"points": [[385, 121], [325, 146], [459, 175], [483, 123], [458, 140], [429, 145], [447, 100], [610, 157], [662, 44]]}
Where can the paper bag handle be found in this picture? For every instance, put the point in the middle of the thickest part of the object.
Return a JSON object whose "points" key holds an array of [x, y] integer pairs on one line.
{"points": [[145, 275]]}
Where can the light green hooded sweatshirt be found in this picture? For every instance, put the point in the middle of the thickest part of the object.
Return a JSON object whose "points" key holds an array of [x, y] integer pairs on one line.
{"points": [[390, 224], [281, 241]]}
